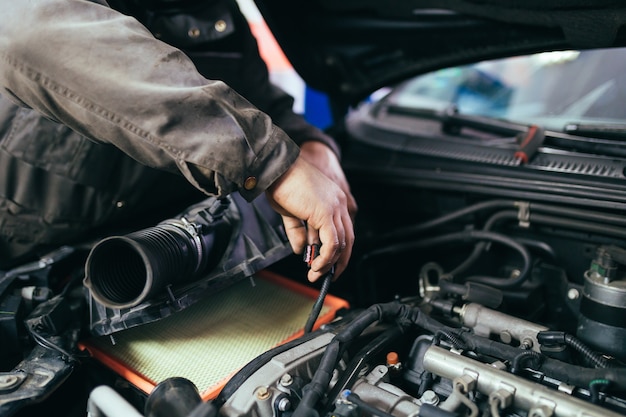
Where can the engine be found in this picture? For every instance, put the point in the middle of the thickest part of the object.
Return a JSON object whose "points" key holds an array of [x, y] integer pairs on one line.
{"points": [[496, 308], [494, 326], [396, 359]]}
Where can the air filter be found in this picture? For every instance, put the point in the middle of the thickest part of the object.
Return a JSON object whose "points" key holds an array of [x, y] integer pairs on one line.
{"points": [[211, 340]]}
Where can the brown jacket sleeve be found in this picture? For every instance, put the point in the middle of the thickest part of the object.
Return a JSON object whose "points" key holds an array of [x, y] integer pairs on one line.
{"points": [[105, 76]]}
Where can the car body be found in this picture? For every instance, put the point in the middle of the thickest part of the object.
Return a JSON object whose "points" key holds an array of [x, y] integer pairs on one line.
{"points": [[484, 143]]}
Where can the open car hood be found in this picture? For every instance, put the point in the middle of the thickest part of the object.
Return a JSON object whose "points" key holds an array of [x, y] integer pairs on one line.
{"points": [[350, 48]]}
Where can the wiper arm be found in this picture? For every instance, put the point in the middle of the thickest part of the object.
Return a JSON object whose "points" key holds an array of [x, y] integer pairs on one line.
{"points": [[597, 130], [579, 137], [452, 121]]}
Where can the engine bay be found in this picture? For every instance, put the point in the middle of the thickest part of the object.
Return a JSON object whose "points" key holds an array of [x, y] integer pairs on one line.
{"points": [[462, 302]]}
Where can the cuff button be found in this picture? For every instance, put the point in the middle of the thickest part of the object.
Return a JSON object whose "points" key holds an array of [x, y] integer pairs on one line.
{"points": [[249, 183]]}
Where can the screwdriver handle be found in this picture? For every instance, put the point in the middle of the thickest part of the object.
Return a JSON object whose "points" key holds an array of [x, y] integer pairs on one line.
{"points": [[310, 253]]}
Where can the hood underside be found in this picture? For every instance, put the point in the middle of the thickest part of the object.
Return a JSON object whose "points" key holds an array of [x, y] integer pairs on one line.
{"points": [[350, 48]]}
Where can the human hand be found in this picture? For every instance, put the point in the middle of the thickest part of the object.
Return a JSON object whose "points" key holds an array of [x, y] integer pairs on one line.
{"points": [[313, 206], [324, 159]]}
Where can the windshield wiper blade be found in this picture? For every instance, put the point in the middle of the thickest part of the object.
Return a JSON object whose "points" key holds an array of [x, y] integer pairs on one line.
{"points": [[452, 121], [597, 130]]}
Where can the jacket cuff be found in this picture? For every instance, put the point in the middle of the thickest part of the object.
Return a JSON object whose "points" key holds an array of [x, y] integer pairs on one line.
{"points": [[274, 159]]}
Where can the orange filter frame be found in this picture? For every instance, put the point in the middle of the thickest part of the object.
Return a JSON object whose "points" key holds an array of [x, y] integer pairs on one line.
{"points": [[211, 340]]}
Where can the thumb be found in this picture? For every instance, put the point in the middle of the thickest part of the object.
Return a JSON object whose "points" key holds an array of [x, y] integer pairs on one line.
{"points": [[296, 233]]}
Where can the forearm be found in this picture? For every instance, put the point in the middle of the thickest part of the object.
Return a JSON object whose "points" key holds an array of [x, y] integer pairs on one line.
{"points": [[104, 75]]}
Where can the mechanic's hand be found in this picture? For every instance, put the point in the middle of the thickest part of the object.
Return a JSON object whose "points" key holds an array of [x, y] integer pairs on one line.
{"points": [[309, 200], [324, 159]]}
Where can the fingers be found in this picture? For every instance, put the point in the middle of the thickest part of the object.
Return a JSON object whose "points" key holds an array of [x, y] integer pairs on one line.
{"points": [[337, 241], [313, 236], [296, 233], [346, 252], [305, 193]]}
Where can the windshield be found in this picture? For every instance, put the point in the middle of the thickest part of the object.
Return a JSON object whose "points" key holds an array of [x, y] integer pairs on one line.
{"points": [[554, 89]]}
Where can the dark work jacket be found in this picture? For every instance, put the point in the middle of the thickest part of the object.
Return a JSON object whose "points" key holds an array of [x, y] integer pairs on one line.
{"points": [[58, 187]]}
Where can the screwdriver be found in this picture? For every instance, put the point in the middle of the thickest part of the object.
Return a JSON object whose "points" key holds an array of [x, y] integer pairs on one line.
{"points": [[529, 144]]}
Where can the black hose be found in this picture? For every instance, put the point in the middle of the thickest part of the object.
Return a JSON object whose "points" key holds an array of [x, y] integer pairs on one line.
{"points": [[553, 221], [579, 214], [540, 219], [501, 283], [563, 371], [369, 409], [584, 226], [523, 357], [403, 314], [596, 387], [493, 204], [363, 357], [555, 337], [594, 357], [561, 211], [319, 303], [538, 245], [173, 397], [480, 246], [409, 230], [452, 337], [205, 409]]}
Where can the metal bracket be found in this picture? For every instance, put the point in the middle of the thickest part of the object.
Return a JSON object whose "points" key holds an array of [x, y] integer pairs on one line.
{"points": [[523, 213]]}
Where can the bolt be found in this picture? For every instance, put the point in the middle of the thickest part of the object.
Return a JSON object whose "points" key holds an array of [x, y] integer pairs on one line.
{"points": [[284, 404], [262, 393], [527, 343], [220, 26], [573, 294], [429, 397], [286, 380], [8, 382]]}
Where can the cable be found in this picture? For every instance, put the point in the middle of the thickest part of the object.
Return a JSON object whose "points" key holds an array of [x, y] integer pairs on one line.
{"points": [[403, 314], [596, 387], [48, 344], [456, 341], [580, 214], [496, 204], [480, 246], [319, 303], [535, 357], [562, 371], [500, 283], [409, 230], [310, 253], [556, 337]]}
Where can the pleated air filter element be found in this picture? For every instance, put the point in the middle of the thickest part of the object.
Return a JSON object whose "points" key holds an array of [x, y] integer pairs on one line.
{"points": [[211, 340]]}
